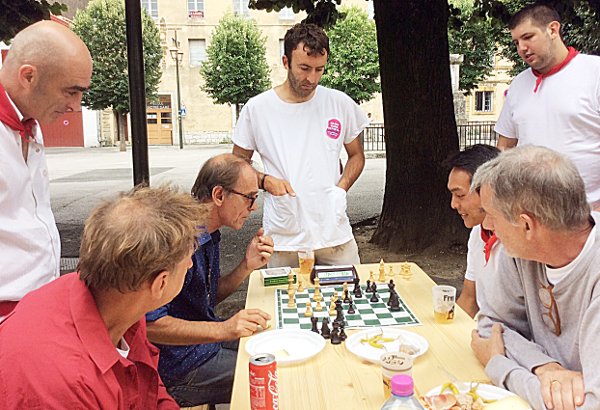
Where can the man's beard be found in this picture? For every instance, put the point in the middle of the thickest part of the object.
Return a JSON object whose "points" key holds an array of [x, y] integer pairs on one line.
{"points": [[297, 87]]}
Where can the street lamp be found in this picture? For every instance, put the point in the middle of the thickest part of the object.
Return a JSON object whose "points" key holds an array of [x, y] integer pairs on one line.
{"points": [[177, 56]]}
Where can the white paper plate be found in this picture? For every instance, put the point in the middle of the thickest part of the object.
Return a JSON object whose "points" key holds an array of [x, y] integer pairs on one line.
{"points": [[288, 345], [486, 391], [372, 354]]}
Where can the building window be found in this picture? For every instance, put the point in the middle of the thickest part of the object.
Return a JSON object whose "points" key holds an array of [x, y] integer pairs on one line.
{"points": [[240, 7], [197, 52], [483, 101], [196, 8], [151, 7], [287, 13]]}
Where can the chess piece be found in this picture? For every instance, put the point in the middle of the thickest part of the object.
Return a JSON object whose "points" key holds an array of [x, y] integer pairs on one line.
{"points": [[371, 278], [374, 297], [335, 334], [291, 298], [290, 283], [318, 306], [343, 335], [391, 287], [317, 296], [345, 287], [314, 320], [356, 286], [335, 295], [368, 289], [308, 311], [332, 311], [340, 312], [405, 270], [351, 310], [346, 296], [359, 293], [300, 284], [391, 272], [325, 330], [381, 271], [394, 302]]}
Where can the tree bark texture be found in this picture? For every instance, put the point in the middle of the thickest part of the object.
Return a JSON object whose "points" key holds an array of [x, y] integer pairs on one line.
{"points": [[420, 129]]}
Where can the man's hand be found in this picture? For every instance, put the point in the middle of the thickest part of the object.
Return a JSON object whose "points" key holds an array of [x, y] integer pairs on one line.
{"points": [[561, 389], [244, 323], [259, 250], [277, 187], [485, 349]]}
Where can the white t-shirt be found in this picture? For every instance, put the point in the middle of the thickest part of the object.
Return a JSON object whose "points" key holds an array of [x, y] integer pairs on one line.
{"points": [[564, 115], [555, 275], [476, 264], [301, 143], [29, 240]]}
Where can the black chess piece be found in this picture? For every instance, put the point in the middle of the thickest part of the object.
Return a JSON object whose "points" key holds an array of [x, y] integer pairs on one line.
{"points": [[374, 297], [394, 302], [314, 321], [368, 288], [346, 296], [325, 330], [335, 334], [359, 293], [356, 289], [391, 285], [351, 310], [340, 312], [343, 335]]}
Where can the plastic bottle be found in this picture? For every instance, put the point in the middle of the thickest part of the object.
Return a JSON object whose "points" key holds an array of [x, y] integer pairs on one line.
{"points": [[403, 397]]}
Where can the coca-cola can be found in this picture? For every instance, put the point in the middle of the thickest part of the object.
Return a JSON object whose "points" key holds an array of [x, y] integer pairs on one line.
{"points": [[264, 393]]}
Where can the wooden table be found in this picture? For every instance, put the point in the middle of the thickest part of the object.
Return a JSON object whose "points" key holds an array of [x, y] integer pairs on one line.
{"points": [[336, 378]]}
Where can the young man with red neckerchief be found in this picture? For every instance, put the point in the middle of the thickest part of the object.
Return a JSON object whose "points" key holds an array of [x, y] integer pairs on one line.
{"points": [[555, 103], [44, 74]]}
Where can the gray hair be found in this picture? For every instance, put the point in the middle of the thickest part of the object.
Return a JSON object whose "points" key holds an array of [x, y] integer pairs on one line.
{"points": [[537, 181], [222, 170]]}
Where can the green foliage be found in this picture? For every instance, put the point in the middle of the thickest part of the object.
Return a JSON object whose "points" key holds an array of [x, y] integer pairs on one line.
{"points": [[15, 15], [321, 12], [475, 38], [236, 68], [101, 26], [353, 65]]}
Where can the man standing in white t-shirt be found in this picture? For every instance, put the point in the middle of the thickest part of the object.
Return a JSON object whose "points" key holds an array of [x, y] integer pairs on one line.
{"points": [[555, 103], [299, 129], [462, 166]]}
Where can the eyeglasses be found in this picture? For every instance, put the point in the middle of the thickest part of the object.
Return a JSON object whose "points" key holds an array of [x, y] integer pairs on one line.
{"points": [[250, 197], [550, 318]]}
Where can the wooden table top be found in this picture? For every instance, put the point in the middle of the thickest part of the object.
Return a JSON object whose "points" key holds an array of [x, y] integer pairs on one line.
{"points": [[336, 378]]}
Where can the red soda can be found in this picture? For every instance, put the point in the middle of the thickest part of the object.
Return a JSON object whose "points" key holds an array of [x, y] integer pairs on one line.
{"points": [[264, 393]]}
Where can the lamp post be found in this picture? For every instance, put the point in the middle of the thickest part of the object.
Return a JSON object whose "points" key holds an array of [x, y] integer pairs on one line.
{"points": [[177, 56]]}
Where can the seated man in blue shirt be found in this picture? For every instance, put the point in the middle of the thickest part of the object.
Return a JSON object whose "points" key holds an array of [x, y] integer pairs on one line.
{"points": [[195, 365]]}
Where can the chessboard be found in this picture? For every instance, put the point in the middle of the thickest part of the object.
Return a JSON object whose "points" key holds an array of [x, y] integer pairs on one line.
{"points": [[367, 313]]}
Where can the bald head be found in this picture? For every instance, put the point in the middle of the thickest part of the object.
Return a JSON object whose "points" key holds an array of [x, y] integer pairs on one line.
{"points": [[46, 70]]}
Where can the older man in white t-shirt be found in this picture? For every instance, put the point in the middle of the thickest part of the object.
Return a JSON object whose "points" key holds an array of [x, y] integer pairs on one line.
{"points": [[299, 129]]}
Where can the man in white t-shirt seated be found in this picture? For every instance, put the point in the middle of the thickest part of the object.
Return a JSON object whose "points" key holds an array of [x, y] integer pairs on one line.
{"points": [[462, 166]]}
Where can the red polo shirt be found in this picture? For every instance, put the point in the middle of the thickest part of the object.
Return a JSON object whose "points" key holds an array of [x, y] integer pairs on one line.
{"points": [[56, 353]]}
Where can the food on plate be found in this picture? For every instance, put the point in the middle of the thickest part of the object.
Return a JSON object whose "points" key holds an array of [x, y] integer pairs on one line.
{"points": [[409, 349], [455, 400], [377, 340]]}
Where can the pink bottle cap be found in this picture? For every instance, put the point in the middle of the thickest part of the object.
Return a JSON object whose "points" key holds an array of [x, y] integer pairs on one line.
{"points": [[402, 385]]}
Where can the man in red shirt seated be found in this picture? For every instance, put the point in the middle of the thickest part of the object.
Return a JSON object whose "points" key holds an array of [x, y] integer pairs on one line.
{"points": [[80, 341]]}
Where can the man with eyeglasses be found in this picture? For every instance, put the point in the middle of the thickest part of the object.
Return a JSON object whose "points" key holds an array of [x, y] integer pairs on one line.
{"points": [[195, 364], [540, 314]]}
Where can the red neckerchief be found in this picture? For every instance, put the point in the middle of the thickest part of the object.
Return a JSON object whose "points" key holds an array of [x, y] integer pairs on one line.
{"points": [[9, 116], [490, 239], [540, 76]]}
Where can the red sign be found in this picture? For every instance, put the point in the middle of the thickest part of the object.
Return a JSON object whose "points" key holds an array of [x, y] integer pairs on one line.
{"points": [[196, 14]]}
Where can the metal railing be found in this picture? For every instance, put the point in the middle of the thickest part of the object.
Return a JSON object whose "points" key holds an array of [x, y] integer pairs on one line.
{"points": [[469, 133]]}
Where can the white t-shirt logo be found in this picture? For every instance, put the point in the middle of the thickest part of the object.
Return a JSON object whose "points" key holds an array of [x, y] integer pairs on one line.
{"points": [[334, 128]]}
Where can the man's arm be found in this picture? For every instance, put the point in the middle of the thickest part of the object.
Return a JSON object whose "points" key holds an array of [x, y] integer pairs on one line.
{"points": [[269, 183], [258, 253], [169, 330], [355, 164], [506, 143], [467, 300]]}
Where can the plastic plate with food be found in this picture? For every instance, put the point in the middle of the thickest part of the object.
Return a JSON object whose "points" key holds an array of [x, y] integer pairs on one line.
{"points": [[370, 344], [472, 396]]}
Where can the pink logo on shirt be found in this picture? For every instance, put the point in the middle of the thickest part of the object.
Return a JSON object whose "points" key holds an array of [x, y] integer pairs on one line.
{"points": [[334, 129]]}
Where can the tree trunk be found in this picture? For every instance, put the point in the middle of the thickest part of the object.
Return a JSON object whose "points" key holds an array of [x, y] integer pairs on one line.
{"points": [[121, 130], [420, 129]]}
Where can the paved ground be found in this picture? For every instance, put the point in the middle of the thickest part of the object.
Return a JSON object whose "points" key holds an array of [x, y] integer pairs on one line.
{"points": [[80, 178]]}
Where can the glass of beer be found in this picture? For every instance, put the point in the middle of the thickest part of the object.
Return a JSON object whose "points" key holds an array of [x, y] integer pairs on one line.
{"points": [[444, 298], [306, 260]]}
